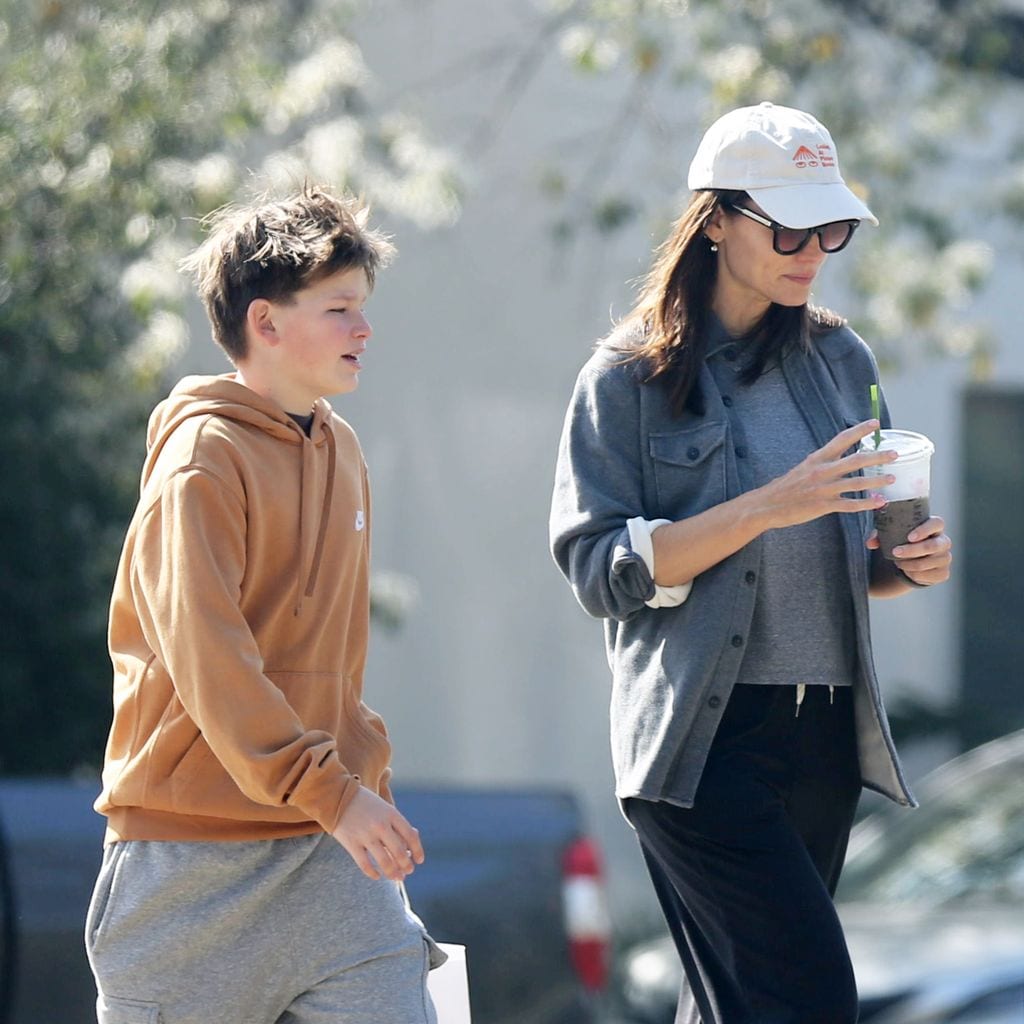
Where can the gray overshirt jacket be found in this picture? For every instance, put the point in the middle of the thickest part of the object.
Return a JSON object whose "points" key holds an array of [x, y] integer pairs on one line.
{"points": [[623, 454]]}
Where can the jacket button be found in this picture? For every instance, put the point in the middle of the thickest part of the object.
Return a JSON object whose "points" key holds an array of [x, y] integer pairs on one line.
{"points": [[727, 401], [714, 702], [692, 453], [750, 576], [737, 641], [741, 451]]}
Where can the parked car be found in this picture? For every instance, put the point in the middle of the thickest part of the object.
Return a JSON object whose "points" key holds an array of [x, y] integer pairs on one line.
{"points": [[932, 902], [509, 873]]}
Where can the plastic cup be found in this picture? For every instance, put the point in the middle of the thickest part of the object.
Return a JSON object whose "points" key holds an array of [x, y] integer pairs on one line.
{"points": [[908, 497]]}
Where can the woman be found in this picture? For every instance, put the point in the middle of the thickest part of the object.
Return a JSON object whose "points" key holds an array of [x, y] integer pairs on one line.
{"points": [[708, 507]]}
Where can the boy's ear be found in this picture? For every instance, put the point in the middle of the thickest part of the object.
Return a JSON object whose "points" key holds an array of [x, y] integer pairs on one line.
{"points": [[259, 322]]}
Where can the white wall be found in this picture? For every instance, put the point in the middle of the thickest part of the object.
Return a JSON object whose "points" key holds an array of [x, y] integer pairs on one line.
{"points": [[497, 676]]}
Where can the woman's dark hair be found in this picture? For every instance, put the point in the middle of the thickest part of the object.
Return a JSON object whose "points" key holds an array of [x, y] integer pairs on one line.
{"points": [[672, 311]]}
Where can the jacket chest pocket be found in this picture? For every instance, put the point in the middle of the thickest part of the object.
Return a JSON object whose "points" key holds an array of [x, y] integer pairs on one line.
{"points": [[690, 469]]}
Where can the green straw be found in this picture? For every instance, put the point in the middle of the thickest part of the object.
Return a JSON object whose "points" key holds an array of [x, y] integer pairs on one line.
{"points": [[876, 413]]}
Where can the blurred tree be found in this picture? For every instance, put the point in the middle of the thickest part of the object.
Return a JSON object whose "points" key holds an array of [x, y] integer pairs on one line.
{"points": [[976, 35], [920, 94], [119, 123]]}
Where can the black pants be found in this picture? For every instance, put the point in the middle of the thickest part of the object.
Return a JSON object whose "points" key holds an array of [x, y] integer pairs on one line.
{"points": [[745, 877]]}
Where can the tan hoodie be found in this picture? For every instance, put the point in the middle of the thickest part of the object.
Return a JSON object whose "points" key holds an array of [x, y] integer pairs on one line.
{"points": [[238, 626]]}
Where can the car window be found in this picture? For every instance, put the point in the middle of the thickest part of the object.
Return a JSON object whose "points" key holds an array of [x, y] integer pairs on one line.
{"points": [[965, 842]]}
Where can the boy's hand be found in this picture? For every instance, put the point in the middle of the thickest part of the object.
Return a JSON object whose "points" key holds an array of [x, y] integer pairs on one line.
{"points": [[378, 838]]}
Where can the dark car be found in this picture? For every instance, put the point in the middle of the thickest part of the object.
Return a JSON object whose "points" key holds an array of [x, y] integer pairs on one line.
{"points": [[510, 873], [932, 902]]}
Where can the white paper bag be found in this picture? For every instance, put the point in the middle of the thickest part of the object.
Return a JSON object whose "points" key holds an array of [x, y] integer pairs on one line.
{"points": [[448, 986]]}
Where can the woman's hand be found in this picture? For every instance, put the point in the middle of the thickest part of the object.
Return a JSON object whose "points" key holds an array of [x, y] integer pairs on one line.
{"points": [[822, 482], [926, 557], [817, 486]]}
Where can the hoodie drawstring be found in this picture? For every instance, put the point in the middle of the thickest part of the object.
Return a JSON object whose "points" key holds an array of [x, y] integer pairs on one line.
{"points": [[308, 452], [325, 512]]}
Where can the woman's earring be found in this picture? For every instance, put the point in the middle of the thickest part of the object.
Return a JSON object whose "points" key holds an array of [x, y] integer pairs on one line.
{"points": [[714, 247]]}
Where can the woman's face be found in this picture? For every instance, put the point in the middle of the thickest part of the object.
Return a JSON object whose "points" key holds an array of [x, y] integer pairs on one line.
{"points": [[751, 274]]}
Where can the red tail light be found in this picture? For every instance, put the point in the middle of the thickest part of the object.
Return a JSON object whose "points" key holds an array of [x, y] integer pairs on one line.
{"points": [[586, 913]]}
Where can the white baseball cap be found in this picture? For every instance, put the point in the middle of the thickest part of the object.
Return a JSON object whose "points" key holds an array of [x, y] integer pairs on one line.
{"points": [[784, 159]]}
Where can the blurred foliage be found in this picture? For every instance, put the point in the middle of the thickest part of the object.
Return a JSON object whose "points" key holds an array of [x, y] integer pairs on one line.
{"points": [[120, 125], [921, 96], [392, 596]]}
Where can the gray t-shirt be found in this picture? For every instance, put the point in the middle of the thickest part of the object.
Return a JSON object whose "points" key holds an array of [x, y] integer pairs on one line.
{"points": [[803, 625]]}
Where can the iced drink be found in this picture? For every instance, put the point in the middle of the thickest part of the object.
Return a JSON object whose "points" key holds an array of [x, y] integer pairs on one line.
{"points": [[908, 497]]}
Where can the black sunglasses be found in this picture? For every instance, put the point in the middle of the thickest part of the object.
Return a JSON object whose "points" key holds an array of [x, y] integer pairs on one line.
{"points": [[789, 241]]}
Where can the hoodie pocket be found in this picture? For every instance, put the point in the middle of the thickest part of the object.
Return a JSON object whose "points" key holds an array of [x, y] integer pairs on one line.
{"points": [[690, 469]]}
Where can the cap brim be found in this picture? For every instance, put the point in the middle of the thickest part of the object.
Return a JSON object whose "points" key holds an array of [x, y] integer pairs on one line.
{"points": [[807, 205]]}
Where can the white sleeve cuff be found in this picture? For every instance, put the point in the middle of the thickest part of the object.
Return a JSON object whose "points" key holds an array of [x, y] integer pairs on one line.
{"points": [[640, 531]]}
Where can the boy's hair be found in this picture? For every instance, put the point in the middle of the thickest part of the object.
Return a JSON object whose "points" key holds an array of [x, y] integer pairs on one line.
{"points": [[275, 248]]}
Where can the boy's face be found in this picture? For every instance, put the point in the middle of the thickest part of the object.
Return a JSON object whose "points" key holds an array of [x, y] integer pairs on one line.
{"points": [[320, 336]]}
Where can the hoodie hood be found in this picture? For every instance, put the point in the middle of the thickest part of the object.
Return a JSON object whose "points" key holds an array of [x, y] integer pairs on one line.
{"points": [[224, 397]]}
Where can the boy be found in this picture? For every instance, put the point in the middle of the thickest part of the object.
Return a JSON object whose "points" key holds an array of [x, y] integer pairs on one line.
{"points": [[252, 846]]}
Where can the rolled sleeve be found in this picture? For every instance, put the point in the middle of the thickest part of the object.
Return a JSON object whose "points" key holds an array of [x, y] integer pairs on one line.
{"points": [[640, 531], [598, 489]]}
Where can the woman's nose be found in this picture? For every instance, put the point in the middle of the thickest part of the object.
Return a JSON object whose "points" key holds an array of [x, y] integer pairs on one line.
{"points": [[813, 249]]}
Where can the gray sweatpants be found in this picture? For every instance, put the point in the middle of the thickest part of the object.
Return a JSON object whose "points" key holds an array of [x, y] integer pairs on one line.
{"points": [[285, 931]]}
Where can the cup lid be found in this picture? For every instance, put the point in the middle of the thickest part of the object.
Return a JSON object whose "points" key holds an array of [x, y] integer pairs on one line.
{"points": [[906, 443]]}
